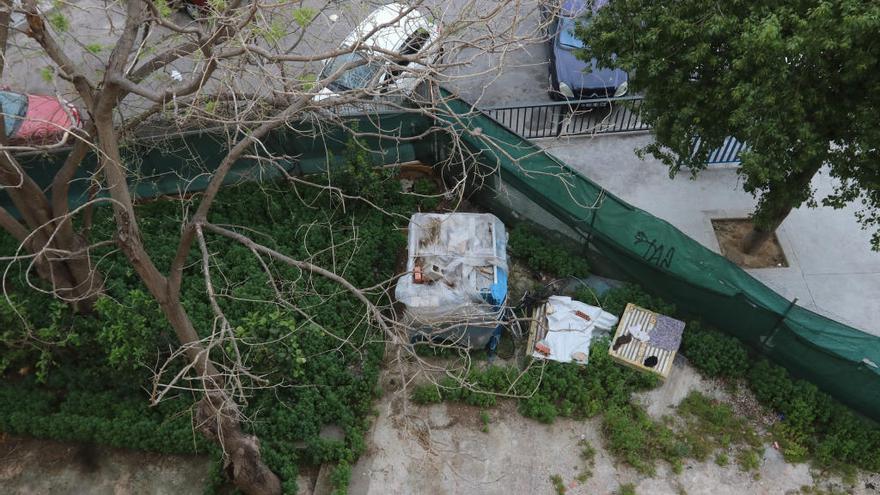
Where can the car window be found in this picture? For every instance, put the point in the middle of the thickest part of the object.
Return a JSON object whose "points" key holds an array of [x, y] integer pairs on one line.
{"points": [[416, 42], [14, 108], [412, 46], [566, 33], [354, 78]]}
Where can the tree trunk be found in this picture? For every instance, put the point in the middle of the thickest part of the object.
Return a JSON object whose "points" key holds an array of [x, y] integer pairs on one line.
{"points": [[757, 237], [775, 205], [218, 419], [218, 416], [72, 276]]}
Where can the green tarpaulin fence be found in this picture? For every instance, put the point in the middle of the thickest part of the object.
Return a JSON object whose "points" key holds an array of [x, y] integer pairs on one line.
{"points": [[527, 183], [530, 183], [183, 163]]}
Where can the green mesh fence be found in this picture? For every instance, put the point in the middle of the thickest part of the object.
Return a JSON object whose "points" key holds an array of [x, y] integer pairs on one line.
{"points": [[527, 183], [183, 164]]}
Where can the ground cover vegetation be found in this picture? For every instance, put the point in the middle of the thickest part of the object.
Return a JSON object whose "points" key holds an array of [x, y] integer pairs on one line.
{"points": [[87, 377]]}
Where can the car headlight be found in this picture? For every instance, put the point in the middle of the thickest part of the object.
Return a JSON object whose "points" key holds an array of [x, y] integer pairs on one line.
{"points": [[621, 90], [565, 90]]}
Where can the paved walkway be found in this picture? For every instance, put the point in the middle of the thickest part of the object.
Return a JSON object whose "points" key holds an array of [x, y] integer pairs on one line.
{"points": [[832, 269]]}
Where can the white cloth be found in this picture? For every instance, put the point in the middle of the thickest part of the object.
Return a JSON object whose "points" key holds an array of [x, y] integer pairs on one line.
{"points": [[568, 332]]}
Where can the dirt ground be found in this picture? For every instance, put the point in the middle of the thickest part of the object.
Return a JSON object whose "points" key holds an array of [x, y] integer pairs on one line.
{"points": [[441, 449], [730, 233], [29, 466]]}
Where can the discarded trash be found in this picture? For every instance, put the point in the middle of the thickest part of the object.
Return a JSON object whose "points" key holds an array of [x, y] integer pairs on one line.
{"points": [[177, 76], [646, 340], [458, 285], [579, 357], [543, 348], [562, 330]]}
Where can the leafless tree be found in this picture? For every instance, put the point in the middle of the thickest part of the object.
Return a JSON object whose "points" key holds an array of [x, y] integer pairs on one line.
{"points": [[250, 68]]}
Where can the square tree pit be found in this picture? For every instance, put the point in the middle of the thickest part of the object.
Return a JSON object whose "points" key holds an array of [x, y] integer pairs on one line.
{"points": [[730, 233]]}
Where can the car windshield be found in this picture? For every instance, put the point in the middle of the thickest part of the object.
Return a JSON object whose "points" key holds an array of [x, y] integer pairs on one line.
{"points": [[566, 33], [354, 78], [14, 108]]}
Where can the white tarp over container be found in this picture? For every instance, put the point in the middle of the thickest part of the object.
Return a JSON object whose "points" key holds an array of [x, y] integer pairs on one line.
{"points": [[461, 261]]}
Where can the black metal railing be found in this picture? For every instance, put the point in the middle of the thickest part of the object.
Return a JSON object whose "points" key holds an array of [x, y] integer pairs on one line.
{"points": [[592, 117], [572, 118]]}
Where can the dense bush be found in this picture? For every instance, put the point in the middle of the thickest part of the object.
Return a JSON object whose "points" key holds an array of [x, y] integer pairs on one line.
{"points": [[812, 424], [427, 393], [632, 436], [547, 389], [556, 258], [713, 353], [86, 377], [614, 301]]}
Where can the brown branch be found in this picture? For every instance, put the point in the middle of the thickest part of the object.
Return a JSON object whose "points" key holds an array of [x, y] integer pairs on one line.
{"points": [[309, 267], [176, 271], [13, 226], [37, 30]]}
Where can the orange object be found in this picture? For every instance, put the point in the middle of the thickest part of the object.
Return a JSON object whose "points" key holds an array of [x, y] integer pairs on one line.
{"points": [[417, 275], [583, 315], [542, 348]]}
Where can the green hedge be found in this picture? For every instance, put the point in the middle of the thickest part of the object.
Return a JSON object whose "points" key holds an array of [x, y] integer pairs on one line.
{"points": [[87, 377], [812, 424], [548, 389], [555, 257]]}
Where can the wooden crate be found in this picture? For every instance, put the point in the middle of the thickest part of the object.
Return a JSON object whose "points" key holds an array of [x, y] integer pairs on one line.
{"points": [[634, 353], [537, 328]]}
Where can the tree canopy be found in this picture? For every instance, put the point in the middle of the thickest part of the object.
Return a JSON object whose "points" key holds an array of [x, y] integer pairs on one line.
{"points": [[797, 80]]}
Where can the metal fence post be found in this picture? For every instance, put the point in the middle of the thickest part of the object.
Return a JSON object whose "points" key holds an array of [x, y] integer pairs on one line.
{"points": [[768, 341], [560, 120]]}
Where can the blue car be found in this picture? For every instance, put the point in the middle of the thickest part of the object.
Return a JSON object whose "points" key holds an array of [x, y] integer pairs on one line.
{"points": [[570, 77]]}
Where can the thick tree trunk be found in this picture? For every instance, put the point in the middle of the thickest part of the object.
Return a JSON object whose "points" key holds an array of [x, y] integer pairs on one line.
{"points": [[218, 417], [753, 241], [775, 205], [72, 276]]}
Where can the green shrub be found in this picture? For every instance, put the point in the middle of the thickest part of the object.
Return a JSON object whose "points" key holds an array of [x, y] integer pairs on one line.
{"points": [[359, 176], [627, 489], [713, 353], [554, 257], [632, 436], [131, 329], [615, 300], [748, 460], [549, 389], [340, 478], [813, 424], [426, 394], [558, 484], [95, 367]]}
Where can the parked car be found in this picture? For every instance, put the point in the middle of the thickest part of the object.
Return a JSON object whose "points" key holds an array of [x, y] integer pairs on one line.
{"points": [[570, 77], [410, 35], [37, 120]]}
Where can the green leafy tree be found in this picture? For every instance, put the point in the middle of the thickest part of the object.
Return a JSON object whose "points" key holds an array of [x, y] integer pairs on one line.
{"points": [[797, 80]]}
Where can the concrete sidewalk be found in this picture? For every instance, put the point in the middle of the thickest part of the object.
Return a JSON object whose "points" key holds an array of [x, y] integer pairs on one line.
{"points": [[832, 269]]}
